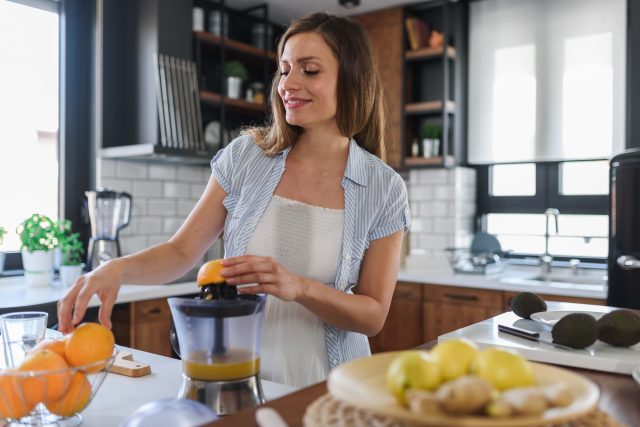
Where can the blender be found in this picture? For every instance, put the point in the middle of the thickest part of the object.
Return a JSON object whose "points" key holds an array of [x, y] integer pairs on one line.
{"points": [[109, 212], [218, 337]]}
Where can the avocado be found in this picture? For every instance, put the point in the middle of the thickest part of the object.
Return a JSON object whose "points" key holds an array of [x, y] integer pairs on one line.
{"points": [[526, 303], [577, 330], [620, 328]]}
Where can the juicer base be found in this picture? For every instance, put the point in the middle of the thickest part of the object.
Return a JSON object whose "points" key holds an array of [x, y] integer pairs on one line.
{"points": [[224, 397]]}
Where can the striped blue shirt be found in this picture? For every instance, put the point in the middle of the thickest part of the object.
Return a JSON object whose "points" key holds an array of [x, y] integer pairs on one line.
{"points": [[375, 204]]}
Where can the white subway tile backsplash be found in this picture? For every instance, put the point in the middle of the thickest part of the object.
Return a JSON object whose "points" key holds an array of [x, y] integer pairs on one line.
{"points": [[420, 192], [138, 207], [131, 244], [126, 169], [189, 174], [147, 189], [171, 225], [116, 184], [148, 225], [108, 168], [162, 207], [176, 190], [162, 172], [196, 190], [185, 206], [443, 226], [442, 192]]}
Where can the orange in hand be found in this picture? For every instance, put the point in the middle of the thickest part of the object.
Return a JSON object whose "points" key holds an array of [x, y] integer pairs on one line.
{"points": [[45, 387], [209, 273], [12, 402], [75, 399], [89, 343]]}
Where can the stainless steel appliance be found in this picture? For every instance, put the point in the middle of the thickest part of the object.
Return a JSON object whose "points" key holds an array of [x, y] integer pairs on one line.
{"points": [[109, 212], [624, 230]]}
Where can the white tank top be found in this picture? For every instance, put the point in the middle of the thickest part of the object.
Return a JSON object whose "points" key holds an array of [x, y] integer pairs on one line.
{"points": [[306, 240]]}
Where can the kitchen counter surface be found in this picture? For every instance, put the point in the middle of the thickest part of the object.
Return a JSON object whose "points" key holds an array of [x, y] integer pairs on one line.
{"points": [[15, 293], [587, 284], [119, 395]]}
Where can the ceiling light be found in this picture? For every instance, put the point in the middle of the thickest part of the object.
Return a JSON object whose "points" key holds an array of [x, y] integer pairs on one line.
{"points": [[349, 4]]}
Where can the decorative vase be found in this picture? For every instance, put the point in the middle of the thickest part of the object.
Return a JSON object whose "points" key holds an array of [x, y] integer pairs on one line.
{"points": [[234, 86], [38, 267], [70, 273]]}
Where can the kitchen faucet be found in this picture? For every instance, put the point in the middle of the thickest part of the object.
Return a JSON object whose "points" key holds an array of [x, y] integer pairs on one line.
{"points": [[546, 258]]}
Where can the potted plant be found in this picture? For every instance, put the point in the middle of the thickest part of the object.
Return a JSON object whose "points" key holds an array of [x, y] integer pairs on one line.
{"points": [[431, 135], [235, 72], [38, 237], [62, 228], [3, 232], [72, 250]]}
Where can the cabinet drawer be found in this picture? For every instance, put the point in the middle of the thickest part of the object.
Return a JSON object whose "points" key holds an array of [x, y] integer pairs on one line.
{"points": [[410, 291], [151, 311], [463, 296]]}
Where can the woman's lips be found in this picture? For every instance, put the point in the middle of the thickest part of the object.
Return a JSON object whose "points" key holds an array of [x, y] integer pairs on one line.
{"points": [[293, 103]]}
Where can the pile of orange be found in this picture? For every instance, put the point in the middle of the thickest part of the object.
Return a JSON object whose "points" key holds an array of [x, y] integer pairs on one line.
{"points": [[63, 390]]}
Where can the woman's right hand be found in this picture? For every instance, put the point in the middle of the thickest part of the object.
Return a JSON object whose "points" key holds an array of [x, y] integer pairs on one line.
{"points": [[105, 282]]}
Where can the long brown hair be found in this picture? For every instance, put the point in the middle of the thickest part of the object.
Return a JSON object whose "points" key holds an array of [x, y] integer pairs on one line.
{"points": [[360, 110]]}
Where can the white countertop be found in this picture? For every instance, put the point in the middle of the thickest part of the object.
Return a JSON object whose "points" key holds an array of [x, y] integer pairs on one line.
{"points": [[119, 396], [15, 293], [599, 356], [587, 284]]}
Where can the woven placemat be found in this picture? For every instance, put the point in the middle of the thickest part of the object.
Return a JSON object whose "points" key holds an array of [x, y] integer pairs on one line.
{"points": [[329, 412]]}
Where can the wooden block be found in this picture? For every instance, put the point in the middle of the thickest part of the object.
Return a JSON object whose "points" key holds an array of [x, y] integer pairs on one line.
{"points": [[125, 365]]}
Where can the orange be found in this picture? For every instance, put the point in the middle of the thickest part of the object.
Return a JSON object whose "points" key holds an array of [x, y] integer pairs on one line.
{"points": [[209, 273], [12, 402], [75, 399], [57, 346], [89, 343], [45, 387]]}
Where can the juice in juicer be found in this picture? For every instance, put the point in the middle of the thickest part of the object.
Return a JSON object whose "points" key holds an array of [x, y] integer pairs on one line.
{"points": [[219, 340]]}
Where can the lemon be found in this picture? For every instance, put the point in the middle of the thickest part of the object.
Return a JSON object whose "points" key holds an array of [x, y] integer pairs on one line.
{"points": [[454, 357], [412, 369], [503, 369]]}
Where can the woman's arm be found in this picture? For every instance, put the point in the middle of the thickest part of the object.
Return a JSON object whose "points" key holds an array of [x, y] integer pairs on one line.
{"points": [[158, 264], [365, 311]]}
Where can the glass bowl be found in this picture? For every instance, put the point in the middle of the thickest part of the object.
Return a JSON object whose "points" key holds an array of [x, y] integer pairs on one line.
{"points": [[23, 394]]}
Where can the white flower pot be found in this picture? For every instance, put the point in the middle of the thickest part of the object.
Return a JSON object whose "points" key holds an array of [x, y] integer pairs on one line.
{"points": [[70, 273], [38, 267], [234, 87]]}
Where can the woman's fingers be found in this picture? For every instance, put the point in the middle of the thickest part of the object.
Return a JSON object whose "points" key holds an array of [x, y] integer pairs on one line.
{"points": [[106, 307], [256, 265], [261, 278], [66, 306]]}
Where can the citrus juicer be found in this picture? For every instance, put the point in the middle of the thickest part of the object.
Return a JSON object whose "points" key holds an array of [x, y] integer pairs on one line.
{"points": [[218, 336]]}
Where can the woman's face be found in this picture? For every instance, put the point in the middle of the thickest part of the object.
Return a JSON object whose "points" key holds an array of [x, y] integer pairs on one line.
{"points": [[308, 81]]}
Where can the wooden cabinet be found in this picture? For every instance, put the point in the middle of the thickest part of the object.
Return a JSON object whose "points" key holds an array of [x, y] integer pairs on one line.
{"points": [[508, 296], [143, 325], [403, 328], [385, 29], [447, 308]]}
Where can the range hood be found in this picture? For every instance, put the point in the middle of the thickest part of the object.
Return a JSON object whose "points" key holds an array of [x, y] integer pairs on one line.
{"points": [[157, 153]]}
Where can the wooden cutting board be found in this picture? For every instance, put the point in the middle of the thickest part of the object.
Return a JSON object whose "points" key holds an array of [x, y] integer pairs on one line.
{"points": [[125, 365]]}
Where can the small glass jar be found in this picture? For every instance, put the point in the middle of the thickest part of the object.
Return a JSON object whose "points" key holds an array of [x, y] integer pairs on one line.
{"points": [[258, 92]]}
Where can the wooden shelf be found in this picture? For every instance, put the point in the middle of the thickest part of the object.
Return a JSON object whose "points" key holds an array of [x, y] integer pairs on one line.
{"points": [[245, 48], [429, 161], [430, 53], [239, 105], [429, 107]]}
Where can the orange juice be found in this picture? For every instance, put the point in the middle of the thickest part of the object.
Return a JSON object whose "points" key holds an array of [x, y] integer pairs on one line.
{"points": [[232, 365]]}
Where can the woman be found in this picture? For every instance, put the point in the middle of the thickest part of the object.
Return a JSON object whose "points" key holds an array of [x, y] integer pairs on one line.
{"points": [[309, 211]]}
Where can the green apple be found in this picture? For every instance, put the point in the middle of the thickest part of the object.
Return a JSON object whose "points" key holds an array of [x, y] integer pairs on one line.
{"points": [[412, 369]]}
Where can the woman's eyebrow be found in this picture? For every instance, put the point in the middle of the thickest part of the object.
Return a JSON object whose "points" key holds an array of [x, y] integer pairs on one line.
{"points": [[303, 59]]}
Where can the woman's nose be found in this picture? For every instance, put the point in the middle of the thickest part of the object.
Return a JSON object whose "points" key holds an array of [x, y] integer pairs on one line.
{"points": [[291, 81]]}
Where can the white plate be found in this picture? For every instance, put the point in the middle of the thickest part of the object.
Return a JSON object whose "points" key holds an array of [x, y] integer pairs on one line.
{"points": [[552, 317]]}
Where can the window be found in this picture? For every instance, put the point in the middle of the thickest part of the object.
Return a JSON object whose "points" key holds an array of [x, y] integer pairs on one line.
{"points": [[29, 117], [546, 112]]}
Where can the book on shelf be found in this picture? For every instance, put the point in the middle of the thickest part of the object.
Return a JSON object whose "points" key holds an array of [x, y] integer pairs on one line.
{"points": [[417, 32]]}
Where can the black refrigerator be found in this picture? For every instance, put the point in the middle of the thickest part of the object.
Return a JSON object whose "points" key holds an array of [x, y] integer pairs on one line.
{"points": [[624, 230]]}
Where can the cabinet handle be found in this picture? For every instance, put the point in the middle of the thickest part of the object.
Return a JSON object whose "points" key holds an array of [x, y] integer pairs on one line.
{"points": [[155, 310], [461, 297]]}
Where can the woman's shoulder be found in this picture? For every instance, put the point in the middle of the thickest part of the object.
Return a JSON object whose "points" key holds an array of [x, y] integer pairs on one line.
{"points": [[377, 169]]}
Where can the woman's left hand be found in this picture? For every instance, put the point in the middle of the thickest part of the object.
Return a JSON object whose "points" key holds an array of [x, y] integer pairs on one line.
{"points": [[270, 277]]}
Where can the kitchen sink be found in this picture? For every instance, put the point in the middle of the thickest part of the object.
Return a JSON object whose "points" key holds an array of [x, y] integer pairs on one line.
{"points": [[582, 280], [566, 281]]}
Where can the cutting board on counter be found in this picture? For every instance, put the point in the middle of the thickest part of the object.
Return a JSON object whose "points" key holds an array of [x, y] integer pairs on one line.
{"points": [[599, 356]]}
